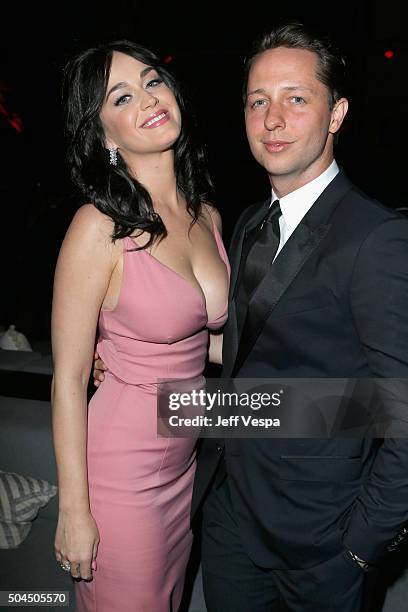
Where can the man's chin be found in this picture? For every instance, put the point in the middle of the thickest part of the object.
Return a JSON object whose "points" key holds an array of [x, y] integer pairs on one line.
{"points": [[277, 168]]}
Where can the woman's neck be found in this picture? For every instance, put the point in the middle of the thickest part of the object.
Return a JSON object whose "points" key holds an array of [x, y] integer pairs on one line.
{"points": [[156, 173]]}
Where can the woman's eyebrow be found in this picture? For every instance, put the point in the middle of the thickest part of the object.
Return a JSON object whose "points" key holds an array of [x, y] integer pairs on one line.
{"points": [[122, 84], [146, 71], [116, 87]]}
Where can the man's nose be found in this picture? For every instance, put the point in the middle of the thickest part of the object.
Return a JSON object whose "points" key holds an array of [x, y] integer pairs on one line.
{"points": [[274, 118]]}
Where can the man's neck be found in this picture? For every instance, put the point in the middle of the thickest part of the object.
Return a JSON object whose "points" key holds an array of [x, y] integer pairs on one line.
{"points": [[283, 185]]}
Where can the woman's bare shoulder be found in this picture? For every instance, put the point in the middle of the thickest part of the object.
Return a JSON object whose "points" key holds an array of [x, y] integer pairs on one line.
{"points": [[92, 219], [91, 225], [214, 215]]}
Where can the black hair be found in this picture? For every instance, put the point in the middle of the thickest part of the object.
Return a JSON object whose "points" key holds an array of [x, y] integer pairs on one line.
{"points": [[331, 69], [111, 188]]}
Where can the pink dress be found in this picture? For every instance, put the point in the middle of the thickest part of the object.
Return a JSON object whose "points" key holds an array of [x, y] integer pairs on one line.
{"points": [[140, 486]]}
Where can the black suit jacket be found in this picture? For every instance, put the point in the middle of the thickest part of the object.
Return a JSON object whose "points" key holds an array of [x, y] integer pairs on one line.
{"points": [[334, 304]]}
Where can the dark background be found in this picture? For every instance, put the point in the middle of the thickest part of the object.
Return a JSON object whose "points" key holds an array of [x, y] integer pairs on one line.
{"points": [[208, 50]]}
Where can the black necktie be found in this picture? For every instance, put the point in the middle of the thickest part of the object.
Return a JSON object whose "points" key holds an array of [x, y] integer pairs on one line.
{"points": [[258, 253]]}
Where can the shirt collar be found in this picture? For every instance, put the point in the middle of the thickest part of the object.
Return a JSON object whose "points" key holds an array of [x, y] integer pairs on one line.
{"points": [[296, 204]]}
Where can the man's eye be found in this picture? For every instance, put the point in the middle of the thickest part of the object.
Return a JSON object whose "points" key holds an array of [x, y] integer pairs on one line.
{"points": [[122, 100], [298, 100], [154, 82], [258, 103]]}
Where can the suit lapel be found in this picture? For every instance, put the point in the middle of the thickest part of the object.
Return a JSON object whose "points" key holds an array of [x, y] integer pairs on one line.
{"points": [[303, 242], [283, 271], [249, 219]]}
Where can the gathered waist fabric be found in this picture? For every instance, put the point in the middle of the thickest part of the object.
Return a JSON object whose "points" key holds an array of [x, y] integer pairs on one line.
{"points": [[138, 363]]}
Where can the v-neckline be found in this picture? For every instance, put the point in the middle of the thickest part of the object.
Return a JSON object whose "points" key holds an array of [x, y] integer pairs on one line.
{"points": [[199, 292]]}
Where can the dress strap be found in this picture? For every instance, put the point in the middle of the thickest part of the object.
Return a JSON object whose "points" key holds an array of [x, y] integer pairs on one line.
{"points": [[218, 239], [216, 231]]}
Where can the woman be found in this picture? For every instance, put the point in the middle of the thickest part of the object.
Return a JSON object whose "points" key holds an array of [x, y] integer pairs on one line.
{"points": [[145, 259]]}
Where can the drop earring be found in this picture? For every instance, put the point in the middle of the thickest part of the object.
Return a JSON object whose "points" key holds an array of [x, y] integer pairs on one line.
{"points": [[113, 156]]}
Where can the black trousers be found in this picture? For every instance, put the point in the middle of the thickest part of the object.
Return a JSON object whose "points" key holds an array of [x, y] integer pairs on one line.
{"points": [[233, 583]]}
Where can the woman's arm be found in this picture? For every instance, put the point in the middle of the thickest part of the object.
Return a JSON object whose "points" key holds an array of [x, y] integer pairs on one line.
{"points": [[83, 271], [215, 348]]}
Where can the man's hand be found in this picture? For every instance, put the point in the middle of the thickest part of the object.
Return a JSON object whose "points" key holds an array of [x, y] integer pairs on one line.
{"points": [[98, 370]]}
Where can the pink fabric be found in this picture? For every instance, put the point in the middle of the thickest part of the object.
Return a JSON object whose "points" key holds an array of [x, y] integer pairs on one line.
{"points": [[139, 485]]}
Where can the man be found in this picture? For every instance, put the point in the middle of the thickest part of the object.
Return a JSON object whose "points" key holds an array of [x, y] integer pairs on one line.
{"points": [[292, 524]]}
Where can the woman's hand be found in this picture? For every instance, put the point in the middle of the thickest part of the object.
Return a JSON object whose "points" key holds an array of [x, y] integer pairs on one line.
{"points": [[76, 542], [99, 368]]}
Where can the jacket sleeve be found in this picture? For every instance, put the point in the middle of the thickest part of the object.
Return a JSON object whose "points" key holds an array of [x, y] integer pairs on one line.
{"points": [[379, 304]]}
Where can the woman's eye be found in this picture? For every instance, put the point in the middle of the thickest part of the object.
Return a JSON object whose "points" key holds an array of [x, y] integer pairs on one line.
{"points": [[122, 100], [154, 82]]}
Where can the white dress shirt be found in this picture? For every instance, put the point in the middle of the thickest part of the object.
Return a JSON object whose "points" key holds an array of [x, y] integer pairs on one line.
{"points": [[296, 204]]}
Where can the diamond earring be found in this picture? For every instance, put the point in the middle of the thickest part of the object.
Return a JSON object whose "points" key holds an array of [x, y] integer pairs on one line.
{"points": [[113, 156]]}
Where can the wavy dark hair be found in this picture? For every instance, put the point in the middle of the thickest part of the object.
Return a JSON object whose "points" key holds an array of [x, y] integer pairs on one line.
{"points": [[110, 188]]}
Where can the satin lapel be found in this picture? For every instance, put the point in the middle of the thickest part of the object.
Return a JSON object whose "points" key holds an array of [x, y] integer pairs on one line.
{"points": [[287, 265], [303, 242], [249, 219]]}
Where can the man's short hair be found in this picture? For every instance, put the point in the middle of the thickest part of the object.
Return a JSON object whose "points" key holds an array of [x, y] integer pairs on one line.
{"points": [[295, 35]]}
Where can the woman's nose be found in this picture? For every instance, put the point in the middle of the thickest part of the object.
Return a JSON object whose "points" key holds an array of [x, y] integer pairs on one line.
{"points": [[149, 100]]}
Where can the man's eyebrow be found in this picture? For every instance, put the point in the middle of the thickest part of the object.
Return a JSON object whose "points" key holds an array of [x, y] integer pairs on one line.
{"points": [[298, 87], [286, 88], [122, 84], [255, 91]]}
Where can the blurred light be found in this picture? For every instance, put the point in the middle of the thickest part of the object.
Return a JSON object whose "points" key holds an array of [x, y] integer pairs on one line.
{"points": [[16, 123], [389, 54], [168, 59], [12, 119]]}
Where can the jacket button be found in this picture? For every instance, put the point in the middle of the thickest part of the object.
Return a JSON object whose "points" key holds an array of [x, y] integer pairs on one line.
{"points": [[219, 448]]}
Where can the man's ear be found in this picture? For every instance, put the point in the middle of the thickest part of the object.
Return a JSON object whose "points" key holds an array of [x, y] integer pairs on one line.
{"points": [[338, 114]]}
